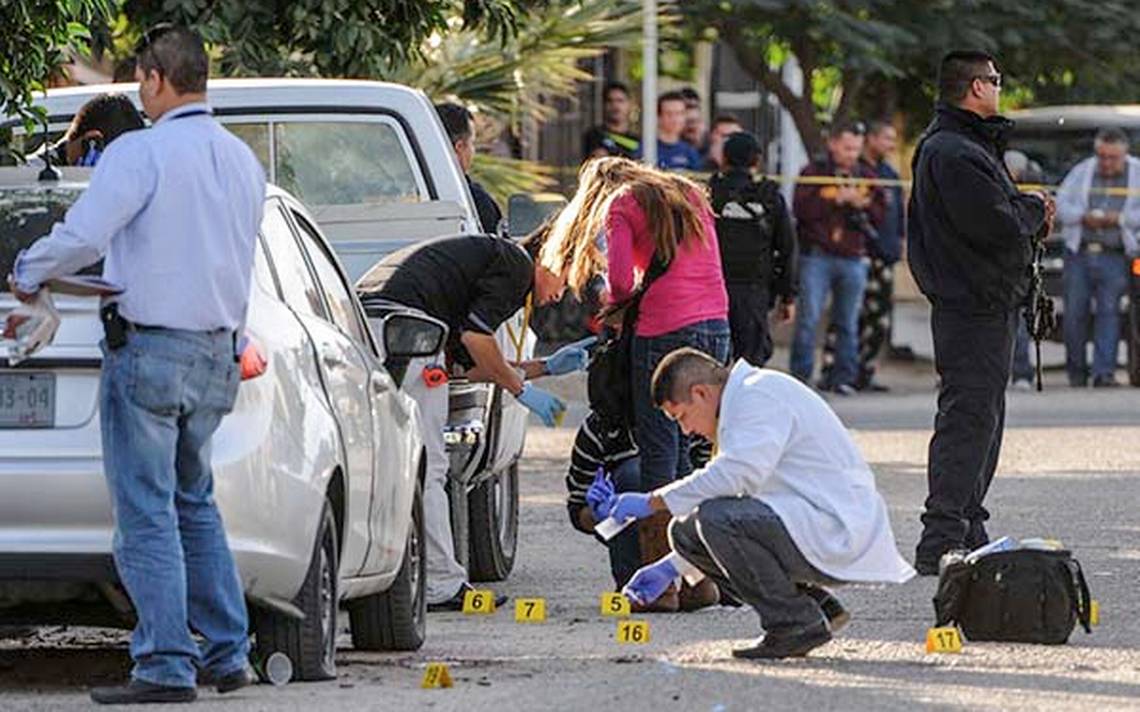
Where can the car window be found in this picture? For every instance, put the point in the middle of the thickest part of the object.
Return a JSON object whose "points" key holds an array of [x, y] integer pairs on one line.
{"points": [[297, 284], [256, 136], [26, 215], [337, 293], [344, 163]]}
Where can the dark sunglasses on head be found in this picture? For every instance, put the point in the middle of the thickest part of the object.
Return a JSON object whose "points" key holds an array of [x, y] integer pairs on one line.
{"points": [[994, 79], [149, 38]]}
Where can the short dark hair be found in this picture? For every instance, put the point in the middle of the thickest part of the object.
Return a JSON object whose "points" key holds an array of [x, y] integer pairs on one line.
{"points": [[690, 95], [741, 150], [670, 96], [1112, 134], [682, 369], [877, 126], [178, 54], [615, 86], [958, 70], [725, 119], [855, 128], [456, 121], [110, 114]]}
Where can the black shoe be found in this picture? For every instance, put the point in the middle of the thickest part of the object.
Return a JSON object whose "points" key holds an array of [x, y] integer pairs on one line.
{"points": [[1078, 381], [455, 603], [137, 692], [1106, 382], [925, 566], [875, 387], [837, 616], [795, 643], [227, 683]]}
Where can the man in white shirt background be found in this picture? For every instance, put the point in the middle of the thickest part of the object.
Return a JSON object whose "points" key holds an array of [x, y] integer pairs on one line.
{"points": [[786, 504], [176, 210]]}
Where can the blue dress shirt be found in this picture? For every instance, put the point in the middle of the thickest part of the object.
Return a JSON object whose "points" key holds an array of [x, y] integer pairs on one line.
{"points": [[176, 210]]}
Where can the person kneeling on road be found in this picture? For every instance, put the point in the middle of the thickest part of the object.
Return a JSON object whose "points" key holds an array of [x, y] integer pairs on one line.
{"points": [[473, 283], [787, 503]]}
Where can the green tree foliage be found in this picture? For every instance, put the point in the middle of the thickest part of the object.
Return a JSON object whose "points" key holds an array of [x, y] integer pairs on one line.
{"points": [[864, 57], [35, 38], [331, 38]]}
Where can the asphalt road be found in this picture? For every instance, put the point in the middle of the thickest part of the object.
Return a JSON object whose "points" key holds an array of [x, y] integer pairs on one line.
{"points": [[1070, 470]]}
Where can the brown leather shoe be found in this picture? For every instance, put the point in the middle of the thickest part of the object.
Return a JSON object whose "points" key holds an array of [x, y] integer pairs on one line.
{"points": [[703, 595], [668, 602]]}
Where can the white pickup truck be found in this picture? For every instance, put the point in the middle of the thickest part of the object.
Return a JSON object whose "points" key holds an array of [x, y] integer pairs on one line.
{"points": [[373, 164]]}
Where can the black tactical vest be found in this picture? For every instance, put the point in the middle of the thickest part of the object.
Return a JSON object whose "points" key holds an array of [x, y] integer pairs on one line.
{"points": [[745, 226]]}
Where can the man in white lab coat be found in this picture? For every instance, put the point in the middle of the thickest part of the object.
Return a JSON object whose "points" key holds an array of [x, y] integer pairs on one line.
{"points": [[786, 504]]}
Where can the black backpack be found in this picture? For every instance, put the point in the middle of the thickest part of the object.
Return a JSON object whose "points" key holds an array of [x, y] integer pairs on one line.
{"points": [[1024, 596], [609, 386]]}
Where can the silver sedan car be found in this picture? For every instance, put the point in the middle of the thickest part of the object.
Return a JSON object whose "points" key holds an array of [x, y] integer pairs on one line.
{"points": [[317, 470]]}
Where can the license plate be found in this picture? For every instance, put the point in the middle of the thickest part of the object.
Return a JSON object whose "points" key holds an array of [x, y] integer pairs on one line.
{"points": [[27, 400]]}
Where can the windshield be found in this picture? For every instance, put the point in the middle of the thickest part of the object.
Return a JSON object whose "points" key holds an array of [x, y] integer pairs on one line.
{"points": [[27, 214]]}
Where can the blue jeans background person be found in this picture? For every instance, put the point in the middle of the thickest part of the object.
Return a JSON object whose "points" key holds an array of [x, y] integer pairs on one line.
{"points": [[664, 448], [1088, 277], [1023, 373], [845, 278], [163, 395]]}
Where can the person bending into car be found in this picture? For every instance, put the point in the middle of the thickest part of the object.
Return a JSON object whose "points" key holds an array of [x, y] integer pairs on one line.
{"points": [[473, 283], [176, 210], [100, 121], [787, 505]]}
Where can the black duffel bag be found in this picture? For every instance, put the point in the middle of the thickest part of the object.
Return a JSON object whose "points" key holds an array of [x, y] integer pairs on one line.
{"points": [[609, 386], [1024, 596]]}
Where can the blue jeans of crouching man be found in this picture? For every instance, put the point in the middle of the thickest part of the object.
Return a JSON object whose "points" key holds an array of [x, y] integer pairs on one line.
{"points": [[162, 396]]}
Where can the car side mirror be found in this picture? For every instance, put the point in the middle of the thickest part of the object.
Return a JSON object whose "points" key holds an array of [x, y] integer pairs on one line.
{"points": [[407, 336], [526, 211]]}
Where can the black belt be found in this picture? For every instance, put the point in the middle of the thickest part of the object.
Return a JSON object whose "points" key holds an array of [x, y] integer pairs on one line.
{"points": [[1098, 248]]}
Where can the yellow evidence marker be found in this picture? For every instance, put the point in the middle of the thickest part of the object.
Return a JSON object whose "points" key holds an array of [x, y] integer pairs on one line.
{"points": [[479, 602], [615, 605], [1094, 612], [436, 676], [636, 632], [530, 610], [943, 640]]}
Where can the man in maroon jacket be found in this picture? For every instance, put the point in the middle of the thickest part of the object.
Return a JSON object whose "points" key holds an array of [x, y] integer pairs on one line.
{"points": [[834, 224]]}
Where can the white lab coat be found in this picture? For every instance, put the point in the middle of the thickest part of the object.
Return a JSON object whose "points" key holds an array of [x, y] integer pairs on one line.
{"points": [[779, 442]]}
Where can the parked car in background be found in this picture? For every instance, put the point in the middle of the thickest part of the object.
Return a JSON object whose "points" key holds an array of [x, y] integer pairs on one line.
{"points": [[1057, 138], [373, 163], [317, 470]]}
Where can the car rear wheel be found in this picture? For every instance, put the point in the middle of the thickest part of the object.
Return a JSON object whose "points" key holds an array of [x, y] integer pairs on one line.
{"points": [[396, 619], [309, 643], [494, 507]]}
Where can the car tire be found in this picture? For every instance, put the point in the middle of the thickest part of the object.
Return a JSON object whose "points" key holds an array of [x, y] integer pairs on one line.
{"points": [[396, 619], [494, 512], [309, 643], [1133, 345]]}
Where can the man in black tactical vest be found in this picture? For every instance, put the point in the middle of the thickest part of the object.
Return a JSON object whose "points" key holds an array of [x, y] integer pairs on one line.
{"points": [[757, 248]]}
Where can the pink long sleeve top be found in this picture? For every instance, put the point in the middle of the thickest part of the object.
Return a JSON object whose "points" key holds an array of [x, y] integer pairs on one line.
{"points": [[691, 290]]}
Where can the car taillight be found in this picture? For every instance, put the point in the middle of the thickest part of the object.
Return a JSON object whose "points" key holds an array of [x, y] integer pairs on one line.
{"points": [[253, 360], [1136, 266]]}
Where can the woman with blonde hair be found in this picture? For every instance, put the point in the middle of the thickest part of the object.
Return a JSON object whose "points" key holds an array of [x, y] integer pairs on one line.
{"points": [[646, 215]]}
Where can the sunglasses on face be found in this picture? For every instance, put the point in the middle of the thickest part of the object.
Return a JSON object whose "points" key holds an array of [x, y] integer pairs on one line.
{"points": [[994, 79]]}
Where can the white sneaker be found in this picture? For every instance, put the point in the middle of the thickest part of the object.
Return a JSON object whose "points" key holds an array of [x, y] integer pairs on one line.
{"points": [[1022, 384]]}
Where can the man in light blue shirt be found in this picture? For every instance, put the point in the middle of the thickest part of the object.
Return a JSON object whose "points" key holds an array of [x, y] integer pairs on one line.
{"points": [[176, 210]]}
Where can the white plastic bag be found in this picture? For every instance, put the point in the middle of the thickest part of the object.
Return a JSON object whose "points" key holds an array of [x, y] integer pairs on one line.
{"points": [[39, 329]]}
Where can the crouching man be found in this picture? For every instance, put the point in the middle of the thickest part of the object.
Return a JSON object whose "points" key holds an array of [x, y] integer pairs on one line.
{"points": [[786, 505]]}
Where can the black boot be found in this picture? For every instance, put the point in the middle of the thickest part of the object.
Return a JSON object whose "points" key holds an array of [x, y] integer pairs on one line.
{"points": [[137, 692], [794, 643]]}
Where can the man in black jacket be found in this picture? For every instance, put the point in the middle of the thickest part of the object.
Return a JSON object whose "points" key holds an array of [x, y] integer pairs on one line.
{"points": [[969, 243], [460, 127], [757, 248]]}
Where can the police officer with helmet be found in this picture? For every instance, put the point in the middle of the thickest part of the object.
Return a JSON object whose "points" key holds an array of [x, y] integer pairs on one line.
{"points": [[757, 248]]}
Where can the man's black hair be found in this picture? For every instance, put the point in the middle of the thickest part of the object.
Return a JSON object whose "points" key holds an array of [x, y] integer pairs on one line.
{"points": [[741, 150], [877, 126], [958, 70], [690, 95], [670, 96], [839, 128], [178, 54], [1112, 134], [682, 369], [725, 119], [110, 114], [615, 86], [456, 121]]}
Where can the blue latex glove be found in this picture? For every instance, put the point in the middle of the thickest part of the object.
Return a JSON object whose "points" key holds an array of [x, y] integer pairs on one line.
{"points": [[631, 505], [600, 497], [571, 357], [647, 585], [545, 405]]}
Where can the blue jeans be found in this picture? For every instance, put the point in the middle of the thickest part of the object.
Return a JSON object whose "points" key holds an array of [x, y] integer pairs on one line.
{"points": [[845, 278], [161, 398], [1103, 278], [1022, 367], [625, 553], [664, 449]]}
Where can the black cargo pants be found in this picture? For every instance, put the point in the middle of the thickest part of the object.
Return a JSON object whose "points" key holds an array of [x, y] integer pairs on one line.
{"points": [[973, 353]]}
